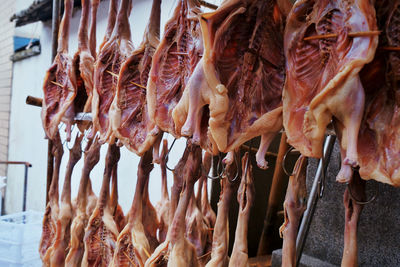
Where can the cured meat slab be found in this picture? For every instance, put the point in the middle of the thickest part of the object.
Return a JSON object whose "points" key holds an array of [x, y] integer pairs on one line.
{"points": [[60, 248], [133, 248], [50, 218], [379, 137], [112, 54], [84, 58], [322, 74], [59, 86], [129, 111], [84, 206], [101, 232], [176, 250], [294, 207], [220, 242], [239, 79], [173, 63], [245, 198]]}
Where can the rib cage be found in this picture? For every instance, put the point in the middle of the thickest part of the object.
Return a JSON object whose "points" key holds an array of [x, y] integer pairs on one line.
{"points": [[173, 63]]}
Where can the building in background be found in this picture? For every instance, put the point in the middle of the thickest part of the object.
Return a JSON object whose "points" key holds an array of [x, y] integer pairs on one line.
{"points": [[6, 50]]}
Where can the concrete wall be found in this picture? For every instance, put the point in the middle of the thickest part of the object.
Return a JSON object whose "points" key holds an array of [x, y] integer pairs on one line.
{"points": [[27, 141], [6, 50]]}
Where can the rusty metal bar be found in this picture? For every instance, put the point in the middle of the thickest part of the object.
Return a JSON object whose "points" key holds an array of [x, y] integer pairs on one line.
{"points": [[209, 5], [335, 35], [34, 101], [276, 194]]}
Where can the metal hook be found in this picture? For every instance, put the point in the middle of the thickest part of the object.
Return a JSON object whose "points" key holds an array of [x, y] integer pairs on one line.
{"points": [[237, 170], [219, 175], [284, 162], [166, 157], [359, 202], [247, 163]]}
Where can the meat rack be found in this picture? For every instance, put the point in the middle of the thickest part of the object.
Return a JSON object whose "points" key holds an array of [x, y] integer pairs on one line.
{"points": [[318, 182]]}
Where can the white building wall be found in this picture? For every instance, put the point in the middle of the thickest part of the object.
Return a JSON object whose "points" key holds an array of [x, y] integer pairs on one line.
{"points": [[27, 141], [6, 50]]}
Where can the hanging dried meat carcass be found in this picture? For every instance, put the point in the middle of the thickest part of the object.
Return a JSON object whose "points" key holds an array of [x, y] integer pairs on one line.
{"points": [[240, 77], [208, 212], [379, 137], [108, 64], [163, 206], [84, 58], [294, 207], [84, 206], [59, 86], [245, 197], [59, 248], [220, 242], [204, 206], [353, 210], [116, 209], [322, 74], [101, 232], [176, 250], [150, 218], [112, 17], [49, 228], [129, 114], [196, 228], [173, 63], [133, 248]]}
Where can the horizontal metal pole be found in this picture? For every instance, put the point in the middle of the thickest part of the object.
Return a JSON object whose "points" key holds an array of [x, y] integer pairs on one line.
{"points": [[16, 163]]}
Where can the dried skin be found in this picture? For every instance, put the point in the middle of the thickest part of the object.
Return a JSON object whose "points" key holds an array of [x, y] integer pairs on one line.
{"points": [[379, 142], [59, 86], [150, 219], [84, 59], [196, 227], [59, 248], [203, 204], [294, 206], [50, 219], [163, 207], [220, 241], [108, 64], [102, 232], [352, 215], [241, 78], [83, 203], [322, 81], [129, 112], [173, 63], [117, 212], [245, 197], [133, 247], [176, 250]]}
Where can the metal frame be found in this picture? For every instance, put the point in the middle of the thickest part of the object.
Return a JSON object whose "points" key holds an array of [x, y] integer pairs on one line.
{"points": [[27, 165]]}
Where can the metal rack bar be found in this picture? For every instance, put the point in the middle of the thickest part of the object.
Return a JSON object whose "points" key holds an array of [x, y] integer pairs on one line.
{"points": [[27, 165], [209, 5]]}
